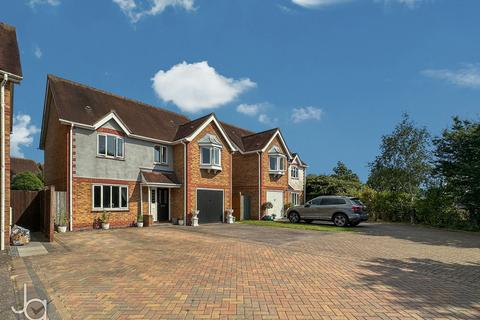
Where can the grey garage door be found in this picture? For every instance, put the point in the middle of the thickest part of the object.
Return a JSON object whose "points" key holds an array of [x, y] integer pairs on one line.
{"points": [[210, 204]]}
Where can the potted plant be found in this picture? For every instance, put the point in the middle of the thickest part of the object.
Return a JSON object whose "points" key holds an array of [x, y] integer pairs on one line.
{"points": [[62, 223], [140, 220], [105, 219]]}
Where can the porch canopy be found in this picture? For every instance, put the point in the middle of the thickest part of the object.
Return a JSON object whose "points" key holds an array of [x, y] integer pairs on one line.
{"points": [[160, 179]]}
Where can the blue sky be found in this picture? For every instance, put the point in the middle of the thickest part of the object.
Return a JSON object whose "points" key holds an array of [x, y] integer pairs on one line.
{"points": [[334, 75]]}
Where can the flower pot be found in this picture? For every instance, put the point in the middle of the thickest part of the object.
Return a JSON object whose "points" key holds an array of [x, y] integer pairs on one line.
{"points": [[105, 226], [180, 222], [62, 229], [147, 220], [140, 224]]}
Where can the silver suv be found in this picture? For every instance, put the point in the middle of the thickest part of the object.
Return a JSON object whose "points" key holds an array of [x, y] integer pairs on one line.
{"points": [[342, 211]]}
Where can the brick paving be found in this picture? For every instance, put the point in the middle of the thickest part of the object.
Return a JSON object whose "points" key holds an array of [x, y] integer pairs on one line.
{"points": [[250, 272]]}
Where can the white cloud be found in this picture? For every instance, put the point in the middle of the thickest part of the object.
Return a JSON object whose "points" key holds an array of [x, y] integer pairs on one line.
{"points": [[197, 86], [137, 9], [324, 3], [317, 3], [33, 3], [468, 76], [38, 52], [22, 135], [306, 113], [266, 119], [252, 109]]}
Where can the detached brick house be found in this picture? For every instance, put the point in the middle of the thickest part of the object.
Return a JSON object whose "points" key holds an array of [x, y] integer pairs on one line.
{"points": [[10, 74], [116, 154]]}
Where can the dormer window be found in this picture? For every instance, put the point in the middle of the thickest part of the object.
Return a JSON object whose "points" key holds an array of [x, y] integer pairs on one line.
{"points": [[110, 146], [160, 155], [277, 161], [210, 153]]}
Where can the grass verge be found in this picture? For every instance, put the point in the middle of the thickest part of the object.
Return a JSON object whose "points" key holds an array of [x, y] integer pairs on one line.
{"points": [[301, 226]]}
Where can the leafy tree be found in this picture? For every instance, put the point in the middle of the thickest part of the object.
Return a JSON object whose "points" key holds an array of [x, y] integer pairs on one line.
{"points": [[341, 171], [458, 164], [404, 163], [27, 181]]}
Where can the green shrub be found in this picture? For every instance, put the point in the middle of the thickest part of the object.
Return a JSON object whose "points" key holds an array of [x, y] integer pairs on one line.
{"points": [[27, 181]]}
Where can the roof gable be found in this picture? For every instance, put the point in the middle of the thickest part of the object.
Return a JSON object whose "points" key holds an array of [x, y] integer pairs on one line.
{"points": [[9, 53]]}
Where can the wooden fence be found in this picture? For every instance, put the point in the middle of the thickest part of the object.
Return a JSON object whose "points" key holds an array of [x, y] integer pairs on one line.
{"points": [[35, 210]]}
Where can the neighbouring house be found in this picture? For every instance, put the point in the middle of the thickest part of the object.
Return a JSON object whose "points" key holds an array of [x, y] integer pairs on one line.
{"points": [[297, 180], [10, 75], [19, 165], [259, 172], [116, 154]]}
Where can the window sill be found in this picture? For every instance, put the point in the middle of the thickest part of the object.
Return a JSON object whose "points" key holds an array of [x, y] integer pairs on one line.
{"points": [[210, 167], [110, 210], [277, 172], [110, 158], [163, 164]]}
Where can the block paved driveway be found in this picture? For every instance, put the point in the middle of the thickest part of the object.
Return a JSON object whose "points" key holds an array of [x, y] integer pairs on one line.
{"points": [[380, 271]]}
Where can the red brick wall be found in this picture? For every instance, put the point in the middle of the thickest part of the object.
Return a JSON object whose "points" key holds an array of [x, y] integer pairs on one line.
{"points": [[176, 194], [201, 178], [245, 181], [56, 152], [8, 121], [84, 217]]}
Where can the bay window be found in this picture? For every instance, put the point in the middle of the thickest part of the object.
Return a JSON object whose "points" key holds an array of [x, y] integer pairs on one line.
{"points": [[210, 152], [110, 197], [277, 163], [110, 146]]}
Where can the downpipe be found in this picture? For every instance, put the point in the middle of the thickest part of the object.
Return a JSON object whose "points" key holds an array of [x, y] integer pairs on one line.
{"points": [[2, 129], [70, 178]]}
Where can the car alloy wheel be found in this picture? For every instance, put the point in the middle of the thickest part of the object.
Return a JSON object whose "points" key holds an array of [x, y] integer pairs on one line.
{"points": [[294, 217], [340, 220]]}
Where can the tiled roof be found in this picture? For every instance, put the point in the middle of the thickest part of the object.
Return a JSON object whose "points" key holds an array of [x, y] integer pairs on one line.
{"points": [[141, 119], [19, 165], [9, 53]]}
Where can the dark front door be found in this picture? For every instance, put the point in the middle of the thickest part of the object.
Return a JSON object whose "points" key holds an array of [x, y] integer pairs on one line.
{"points": [[210, 204], [246, 206], [162, 205]]}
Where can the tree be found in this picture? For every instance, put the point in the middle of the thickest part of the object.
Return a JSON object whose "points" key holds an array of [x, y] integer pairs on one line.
{"points": [[341, 171], [404, 163], [458, 164], [27, 181]]}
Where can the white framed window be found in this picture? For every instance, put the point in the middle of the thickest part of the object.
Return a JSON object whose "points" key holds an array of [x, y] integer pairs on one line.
{"points": [[109, 197], [295, 199], [294, 172], [110, 146], [211, 156], [160, 154], [277, 163]]}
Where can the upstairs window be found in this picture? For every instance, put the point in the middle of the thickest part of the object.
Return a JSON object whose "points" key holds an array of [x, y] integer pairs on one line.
{"points": [[110, 146], [276, 160], [160, 155], [277, 163], [210, 152], [210, 156], [294, 172]]}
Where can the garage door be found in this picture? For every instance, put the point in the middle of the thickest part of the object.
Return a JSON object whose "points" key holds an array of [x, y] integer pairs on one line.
{"points": [[276, 198], [210, 204]]}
